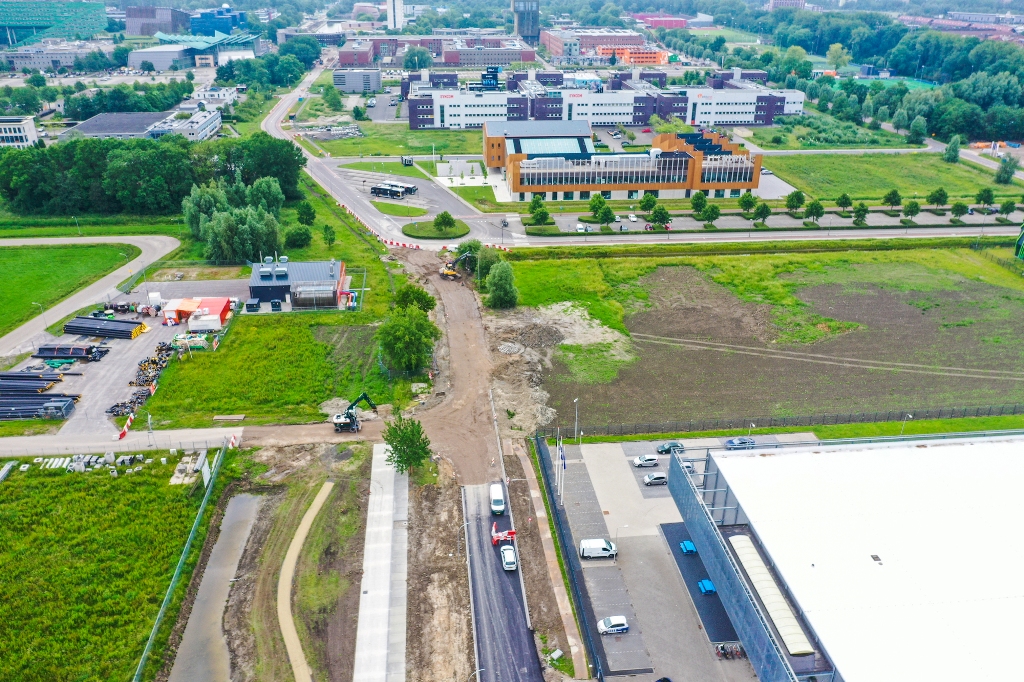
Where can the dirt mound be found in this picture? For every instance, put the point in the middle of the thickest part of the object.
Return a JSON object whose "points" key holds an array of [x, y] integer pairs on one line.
{"points": [[539, 336]]}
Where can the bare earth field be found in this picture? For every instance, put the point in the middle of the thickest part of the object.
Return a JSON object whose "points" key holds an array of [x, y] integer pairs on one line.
{"points": [[922, 337]]}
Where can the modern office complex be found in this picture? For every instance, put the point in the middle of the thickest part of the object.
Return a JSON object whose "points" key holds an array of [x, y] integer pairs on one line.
{"points": [[17, 131], [23, 23], [396, 14], [147, 21], [53, 53], [557, 160], [185, 51], [448, 50], [210, 22], [357, 80], [587, 40]]}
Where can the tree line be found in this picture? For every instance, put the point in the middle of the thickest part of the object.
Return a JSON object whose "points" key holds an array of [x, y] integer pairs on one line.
{"points": [[237, 222], [138, 176], [135, 97]]}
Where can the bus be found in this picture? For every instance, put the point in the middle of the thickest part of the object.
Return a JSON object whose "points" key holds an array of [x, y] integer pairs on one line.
{"points": [[386, 191], [405, 187]]}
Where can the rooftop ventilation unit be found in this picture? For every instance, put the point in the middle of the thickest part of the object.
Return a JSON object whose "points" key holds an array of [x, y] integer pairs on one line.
{"points": [[268, 260], [283, 259], [265, 271], [280, 272]]}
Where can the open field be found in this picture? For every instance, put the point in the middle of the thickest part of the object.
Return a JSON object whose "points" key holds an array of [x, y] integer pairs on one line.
{"points": [[825, 132], [49, 274], [869, 176], [731, 35], [388, 139], [390, 167], [87, 559], [12, 227], [425, 230], [783, 334], [403, 210]]}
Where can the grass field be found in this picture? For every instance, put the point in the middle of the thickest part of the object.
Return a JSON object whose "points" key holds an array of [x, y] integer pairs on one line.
{"points": [[20, 227], [86, 560], [824, 132], [731, 35], [389, 139], [403, 210], [389, 167], [49, 274], [425, 230], [869, 176]]}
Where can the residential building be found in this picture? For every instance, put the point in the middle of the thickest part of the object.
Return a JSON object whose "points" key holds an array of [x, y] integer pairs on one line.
{"points": [[357, 80], [396, 14], [147, 21], [216, 97], [556, 160], [588, 39], [201, 125], [53, 53], [785, 4], [18, 131], [210, 22], [526, 24], [23, 22]]}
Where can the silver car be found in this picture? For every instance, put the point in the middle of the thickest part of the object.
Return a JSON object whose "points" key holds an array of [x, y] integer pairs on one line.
{"points": [[508, 558], [646, 461], [656, 479]]}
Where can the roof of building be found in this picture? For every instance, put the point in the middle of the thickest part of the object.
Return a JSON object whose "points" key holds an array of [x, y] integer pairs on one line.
{"points": [[297, 271], [206, 42], [509, 129], [120, 123], [163, 48], [35, 20], [888, 549]]}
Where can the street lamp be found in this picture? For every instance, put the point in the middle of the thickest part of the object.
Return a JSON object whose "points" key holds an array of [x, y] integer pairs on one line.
{"points": [[42, 313], [576, 429], [78, 226], [475, 672], [909, 416]]}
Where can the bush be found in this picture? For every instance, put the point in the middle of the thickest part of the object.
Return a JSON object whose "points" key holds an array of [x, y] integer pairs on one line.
{"points": [[486, 259], [777, 139], [502, 288], [298, 237], [407, 338]]}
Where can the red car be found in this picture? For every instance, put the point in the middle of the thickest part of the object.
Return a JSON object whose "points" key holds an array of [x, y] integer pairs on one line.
{"points": [[646, 130]]}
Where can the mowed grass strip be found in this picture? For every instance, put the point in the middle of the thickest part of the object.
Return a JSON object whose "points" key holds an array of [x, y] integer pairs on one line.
{"points": [[426, 230], [403, 210], [869, 177], [389, 167], [49, 274], [395, 139]]}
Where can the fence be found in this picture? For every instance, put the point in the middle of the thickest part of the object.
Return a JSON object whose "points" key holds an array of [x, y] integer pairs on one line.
{"points": [[126, 286], [136, 441], [762, 422], [1011, 264]]}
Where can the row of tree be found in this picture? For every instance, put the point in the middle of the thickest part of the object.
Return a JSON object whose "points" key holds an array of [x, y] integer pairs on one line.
{"points": [[262, 73], [135, 97], [138, 176], [237, 222]]}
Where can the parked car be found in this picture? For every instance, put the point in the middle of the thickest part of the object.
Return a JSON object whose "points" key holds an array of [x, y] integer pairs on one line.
{"points": [[741, 443], [598, 549], [632, 218], [647, 227], [656, 479], [580, 228], [646, 130], [970, 211], [612, 625], [618, 219], [668, 447], [497, 495], [508, 558], [765, 171], [646, 461], [623, 227]]}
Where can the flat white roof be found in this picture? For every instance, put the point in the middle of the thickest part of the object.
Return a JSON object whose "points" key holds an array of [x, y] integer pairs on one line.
{"points": [[945, 519]]}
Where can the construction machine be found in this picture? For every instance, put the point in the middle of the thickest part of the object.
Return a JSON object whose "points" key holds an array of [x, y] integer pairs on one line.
{"points": [[347, 420], [449, 270]]}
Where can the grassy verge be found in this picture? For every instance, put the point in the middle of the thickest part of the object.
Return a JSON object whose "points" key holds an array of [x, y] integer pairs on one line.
{"points": [[425, 230], [29, 427], [389, 167], [430, 167], [483, 198], [15, 227], [388, 139], [404, 210]]}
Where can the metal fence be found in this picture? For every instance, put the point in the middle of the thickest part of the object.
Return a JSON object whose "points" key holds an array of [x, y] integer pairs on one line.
{"points": [[735, 423], [1011, 264], [135, 442]]}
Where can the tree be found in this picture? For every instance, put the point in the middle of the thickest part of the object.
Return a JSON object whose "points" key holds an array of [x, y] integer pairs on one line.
{"points": [[648, 202], [359, 113], [698, 202], [472, 247], [892, 199], [487, 258], [762, 212], [837, 56], [937, 197], [867, 110], [332, 99], [407, 338], [410, 294], [711, 213], [541, 216], [794, 200], [536, 202], [329, 236], [305, 213], [606, 216], [660, 216], [266, 193], [200, 205], [36, 80], [918, 130], [597, 202], [747, 201], [882, 114], [242, 234], [304, 48], [911, 209], [611, 59], [814, 211], [298, 237], [189, 76], [147, 66], [265, 156], [986, 197], [409, 446], [952, 153], [444, 222], [1008, 166], [900, 120], [417, 58], [501, 286], [958, 209], [844, 201], [860, 213]]}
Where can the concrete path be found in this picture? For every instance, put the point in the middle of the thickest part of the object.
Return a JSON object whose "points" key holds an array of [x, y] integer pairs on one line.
{"points": [[29, 335], [380, 633], [135, 441], [203, 653], [300, 668]]}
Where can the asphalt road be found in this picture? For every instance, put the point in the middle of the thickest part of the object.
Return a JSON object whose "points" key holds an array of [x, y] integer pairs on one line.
{"points": [[507, 652]]}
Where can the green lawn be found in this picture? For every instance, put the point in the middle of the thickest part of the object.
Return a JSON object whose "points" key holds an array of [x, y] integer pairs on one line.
{"points": [[731, 35], [482, 197], [49, 274], [403, 210], [389, 167], [395, 139], [12, 226], [425, 230], [429, 166], [825, 132], [869, 176]]}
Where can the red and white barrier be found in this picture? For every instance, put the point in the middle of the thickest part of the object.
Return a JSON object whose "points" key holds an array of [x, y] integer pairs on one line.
{"points": [[127, 425], [234, 441]]}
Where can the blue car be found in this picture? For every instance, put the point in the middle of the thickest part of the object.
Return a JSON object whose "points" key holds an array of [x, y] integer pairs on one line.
{"points": [[741, 443]]}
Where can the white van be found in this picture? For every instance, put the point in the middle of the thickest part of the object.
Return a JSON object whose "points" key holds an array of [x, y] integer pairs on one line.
{"points": [[597, 549], [497, 499]]}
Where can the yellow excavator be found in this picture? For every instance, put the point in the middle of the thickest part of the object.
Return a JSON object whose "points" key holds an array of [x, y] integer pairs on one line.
{"points": [[449, 271]]}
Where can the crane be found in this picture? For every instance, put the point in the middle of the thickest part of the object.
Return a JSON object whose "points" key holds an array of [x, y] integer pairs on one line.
{"points": [[449, 271], [347, 420]]}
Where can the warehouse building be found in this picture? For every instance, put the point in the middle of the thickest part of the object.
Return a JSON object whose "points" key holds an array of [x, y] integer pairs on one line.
{"points": [[31, 21], [556, 160], [17, 131], [201, 125], [357, 80], [294, 284], [147, 21]]}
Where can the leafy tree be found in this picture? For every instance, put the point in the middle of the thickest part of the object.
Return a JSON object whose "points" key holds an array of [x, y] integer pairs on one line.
{"points": [[1007, 207], [892, 198], [407, 338], [837, 56], [648, 202], [1008, 165], [747, 201], [536, 203], [986, 197], [660, 216], [200, 205], [305, 213], [241, 235], [867, 110], [794, 200], [265, 156], [410, 294], [304, 48], [958, 209], [409, 446], [266, 193], [332, 99], [487, 258], [844, 201], [860, 213], [36, 80], [952, 153], [298, 237], [606, 216], [711, 213], [911, 209], [329, 236], [189, 75], [937, 197], [814, 210], [541, 216], [444, 222], [900, 120], [882, 113], [698, 202], [359, 113], [472, 247], [147, 66], [597, 202], [918, 130], [501, 286], [762, 212], [417, 58]]}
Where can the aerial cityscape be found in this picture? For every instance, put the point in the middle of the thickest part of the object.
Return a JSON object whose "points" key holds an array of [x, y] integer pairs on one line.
{"points": [[500, 341]]}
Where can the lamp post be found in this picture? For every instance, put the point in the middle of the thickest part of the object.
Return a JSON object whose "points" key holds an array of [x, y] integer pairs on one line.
{"points": [[617, 537], [475, 672], [42, 312], [78, 226], [909, 416], [576, 428]]}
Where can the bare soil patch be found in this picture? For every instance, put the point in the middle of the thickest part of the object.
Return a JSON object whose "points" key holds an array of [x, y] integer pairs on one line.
{"points": [[196, 273]]}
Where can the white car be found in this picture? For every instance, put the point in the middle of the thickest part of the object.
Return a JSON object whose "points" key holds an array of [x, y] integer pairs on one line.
{"points": [[646, 461], [508, 558], [612, 625], [618, 219], [580, 228], [632, 218]]}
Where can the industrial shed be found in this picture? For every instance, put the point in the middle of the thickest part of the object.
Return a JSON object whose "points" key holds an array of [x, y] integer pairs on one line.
{"points": [[311, 284]]}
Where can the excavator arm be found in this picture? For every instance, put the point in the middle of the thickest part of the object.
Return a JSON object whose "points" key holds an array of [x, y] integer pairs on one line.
{"points": [[348, 420], [449, 270]]}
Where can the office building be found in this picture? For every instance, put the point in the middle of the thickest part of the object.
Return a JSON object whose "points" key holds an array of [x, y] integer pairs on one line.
{"points": [[53, 53], [557, 160], [356, 53], [587, 40], [199, 126], [984, 18], [396, 14], [669, 22], [635, 54], [209, 22], [162, 57], [357, 80], [147, 21], [215, 97], [526, 15], [18, 131], [786, 4], [185, 51], [23, 22], [462, 52]]}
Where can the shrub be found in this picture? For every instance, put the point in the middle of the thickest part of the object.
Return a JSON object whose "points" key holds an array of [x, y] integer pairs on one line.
{"points": [[298, 237], [502, 288]]}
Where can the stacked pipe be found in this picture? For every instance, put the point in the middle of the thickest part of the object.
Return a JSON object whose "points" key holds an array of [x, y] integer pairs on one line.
{"points": [[21, 396], [71, 352], [99, 326]]}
